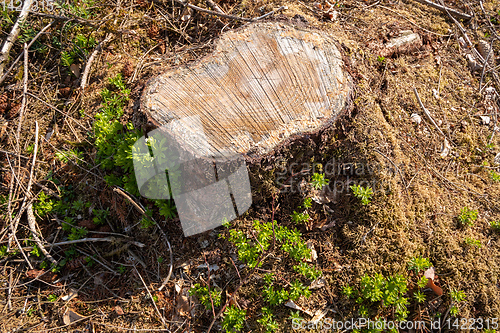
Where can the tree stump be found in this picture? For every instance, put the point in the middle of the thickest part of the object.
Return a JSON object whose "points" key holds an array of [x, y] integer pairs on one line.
{"points": [[262, 84]]}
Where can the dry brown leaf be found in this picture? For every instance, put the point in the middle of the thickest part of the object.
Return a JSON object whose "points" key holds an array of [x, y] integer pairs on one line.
{"points": [[431, 276], [119, 310], [72, 294], [75, 69], [183, 306], [71, 316]]}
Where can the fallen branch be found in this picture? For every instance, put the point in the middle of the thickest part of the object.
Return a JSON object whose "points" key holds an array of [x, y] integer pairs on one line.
{"points": [[222, 14], [86, 72], [20, 55], [12, 37], [445, 9], [427, 113], [29, 209], [93, 240]]}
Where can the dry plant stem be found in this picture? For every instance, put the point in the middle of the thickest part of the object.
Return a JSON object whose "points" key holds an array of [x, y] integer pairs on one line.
{"points": [[29, 209], [427, 113], [413, 23], [476, 54], [20, 55], [12, 37], [13, 225], [90, 239], [141, 209], [445, 9], [121, 191], [152, 299], [232, 17], [208, 284], [215, 7], [242, 282], [485, 64], [488, 19], [91, 59]]}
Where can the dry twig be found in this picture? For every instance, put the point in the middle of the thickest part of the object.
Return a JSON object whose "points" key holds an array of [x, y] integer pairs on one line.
{"points": [[20, 55], [86, 72], [445, 9], [12, 37], [29, 208], [427, 113]]}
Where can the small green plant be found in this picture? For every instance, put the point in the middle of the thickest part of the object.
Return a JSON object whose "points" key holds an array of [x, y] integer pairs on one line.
{"points": [[203, 295], [381, 59], [472, 242], [348, 291], [100, 216], [267, 320], [456, 296], [300, 218], [495, 225], [419, 296], [44, 205], [467, 216], [122, 269], [167, 208], [307, 203], [52, 298], [495, 176], [364, 194], [388, 290], [36, 251], [422, 283], [68, 155], [160, 260], [77, 233], [418, 264], [295, 315], [234, 319], [146, 220], [319, 181], [3, 251], [90, 261]]}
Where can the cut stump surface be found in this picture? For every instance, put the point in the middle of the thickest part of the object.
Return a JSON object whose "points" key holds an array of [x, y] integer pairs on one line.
{"points": [[261, 84]]}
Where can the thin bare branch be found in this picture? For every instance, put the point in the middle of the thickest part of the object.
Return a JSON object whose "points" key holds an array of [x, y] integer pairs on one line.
{"points": [[445, 9], [12, 37]]}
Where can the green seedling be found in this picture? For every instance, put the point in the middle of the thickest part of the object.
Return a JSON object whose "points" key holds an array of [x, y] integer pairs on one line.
{"points": [[364, 194], [472, 242], [418, 264], [267, 320], [457, 296], [300, 218], [319, 181], [467, 216], [495, 225], [205, 296], [234, 319]]}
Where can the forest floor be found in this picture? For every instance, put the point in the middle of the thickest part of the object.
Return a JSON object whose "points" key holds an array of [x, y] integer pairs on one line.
{"points": [[423, 247]]}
